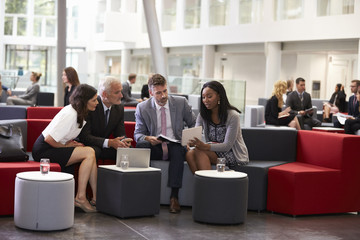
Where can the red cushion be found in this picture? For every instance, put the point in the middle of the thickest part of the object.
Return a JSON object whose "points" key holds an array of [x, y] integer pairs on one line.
{"points": [[34, 129], [42, 112], [8, 173], [129, 107], [300, 188]]}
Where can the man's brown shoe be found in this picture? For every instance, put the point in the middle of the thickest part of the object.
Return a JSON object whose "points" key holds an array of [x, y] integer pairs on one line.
{"points": [[174, 205]]}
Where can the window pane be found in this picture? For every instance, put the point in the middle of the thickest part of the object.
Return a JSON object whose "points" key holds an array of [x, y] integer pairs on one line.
{"points": [[37, 27], [169, 15], [288, 9], [50, 27], [8, 26], [15, 6], [251, 11], [192, 13], [44, 7], [21, 26], [219, 12], [75, 11], [337, 7]]}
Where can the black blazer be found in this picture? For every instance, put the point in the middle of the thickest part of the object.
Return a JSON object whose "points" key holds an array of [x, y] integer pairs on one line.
{"points": [[340, 100], [293, 101], [94, 132], [353, 109]]}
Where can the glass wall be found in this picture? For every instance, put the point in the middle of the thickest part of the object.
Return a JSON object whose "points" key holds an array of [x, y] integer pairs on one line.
{"points": [[169, 15], [288, 9], [219, 12], [334, 7], [36, 19], [192, 13], [251, 11]]}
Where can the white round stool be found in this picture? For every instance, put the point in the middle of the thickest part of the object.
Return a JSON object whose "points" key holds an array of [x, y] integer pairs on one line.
{"points": [[44, 202]]}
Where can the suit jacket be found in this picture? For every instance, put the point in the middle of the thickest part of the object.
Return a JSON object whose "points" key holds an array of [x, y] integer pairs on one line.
{"points": [[94, 132], [146, 120], [31, 93], [353, 110], [126, 92], [293, 101]]}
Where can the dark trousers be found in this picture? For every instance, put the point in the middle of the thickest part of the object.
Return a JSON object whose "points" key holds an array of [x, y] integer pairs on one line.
{"points": [[104, 153], [176, 158], [311, 122], [351, 126]]}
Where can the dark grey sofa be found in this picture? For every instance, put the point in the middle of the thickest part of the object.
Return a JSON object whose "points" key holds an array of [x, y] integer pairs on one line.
{"points": [[267, 147]]}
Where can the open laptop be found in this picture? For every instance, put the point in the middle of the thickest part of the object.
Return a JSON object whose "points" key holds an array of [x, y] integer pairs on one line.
{"points": [[138, 157]]}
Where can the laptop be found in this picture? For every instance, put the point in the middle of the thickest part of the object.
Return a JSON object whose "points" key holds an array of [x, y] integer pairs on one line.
{"points": [[138, 157]]}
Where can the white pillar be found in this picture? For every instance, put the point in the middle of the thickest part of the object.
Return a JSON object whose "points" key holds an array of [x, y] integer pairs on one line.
{"points": [[157, 51], [61, 50], [2, 45], [125, 61], [208, 61], [273, 66]]}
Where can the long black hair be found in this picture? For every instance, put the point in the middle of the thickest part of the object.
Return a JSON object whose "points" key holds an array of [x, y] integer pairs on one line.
{"points": [[224, 104], [79, 99]]}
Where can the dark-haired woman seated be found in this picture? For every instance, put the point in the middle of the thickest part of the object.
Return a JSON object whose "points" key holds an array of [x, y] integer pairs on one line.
{"points": [[57, 143], [221, 125]]}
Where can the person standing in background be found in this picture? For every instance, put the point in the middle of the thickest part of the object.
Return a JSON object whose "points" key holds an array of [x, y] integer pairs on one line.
{"points": [[71, 79], [30, 95]]}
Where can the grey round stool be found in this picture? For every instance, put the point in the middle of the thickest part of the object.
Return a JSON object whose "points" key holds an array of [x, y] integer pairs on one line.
{"points": [[220, 197], [44, 202]]}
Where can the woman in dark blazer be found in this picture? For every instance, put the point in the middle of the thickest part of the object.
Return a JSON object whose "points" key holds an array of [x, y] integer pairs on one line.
{"points": [[273, 113], [71, 79]]}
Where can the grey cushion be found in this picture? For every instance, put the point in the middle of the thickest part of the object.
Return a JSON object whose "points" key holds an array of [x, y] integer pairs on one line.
{"points": [[12, 112]]}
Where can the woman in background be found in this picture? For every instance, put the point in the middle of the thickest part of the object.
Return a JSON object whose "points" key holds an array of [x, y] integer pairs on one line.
{"points": [[273, 113], [221, 125], [57, 143], [30, 95], [336, 103], [71, 79]]}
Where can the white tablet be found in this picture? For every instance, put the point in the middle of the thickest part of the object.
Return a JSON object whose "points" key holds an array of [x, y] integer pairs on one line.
{"points": [[191, 133]]}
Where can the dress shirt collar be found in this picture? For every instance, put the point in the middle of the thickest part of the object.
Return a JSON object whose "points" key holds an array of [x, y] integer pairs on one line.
{"points": [[158, 107]]}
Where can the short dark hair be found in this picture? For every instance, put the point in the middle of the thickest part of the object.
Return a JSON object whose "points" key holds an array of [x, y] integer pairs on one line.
{"points": [[357, 82], [156, 80], [298, 80], [79, 99], [132, 76]]}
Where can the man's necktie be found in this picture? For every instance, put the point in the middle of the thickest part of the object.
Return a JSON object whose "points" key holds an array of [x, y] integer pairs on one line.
{"points": [[163, 132], [107, 112]]}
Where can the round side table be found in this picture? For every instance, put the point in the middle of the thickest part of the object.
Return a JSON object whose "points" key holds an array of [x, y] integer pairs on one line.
{"points": [[44, 202], [220, 197]]}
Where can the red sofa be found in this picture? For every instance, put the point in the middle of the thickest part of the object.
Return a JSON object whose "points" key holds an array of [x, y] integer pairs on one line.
{"points": [[42, 112], [324, 179]]}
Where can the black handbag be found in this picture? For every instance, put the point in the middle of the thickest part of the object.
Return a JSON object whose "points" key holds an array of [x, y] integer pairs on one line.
{"points": [[11, 144]]}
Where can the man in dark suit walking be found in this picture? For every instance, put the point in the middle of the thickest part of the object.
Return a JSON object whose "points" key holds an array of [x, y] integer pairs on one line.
{"points": [[299, 101], [163, 114], [106, 120]]}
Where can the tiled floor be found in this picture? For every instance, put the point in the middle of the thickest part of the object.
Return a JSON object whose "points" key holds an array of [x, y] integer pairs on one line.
{"points": [[170, 226]]}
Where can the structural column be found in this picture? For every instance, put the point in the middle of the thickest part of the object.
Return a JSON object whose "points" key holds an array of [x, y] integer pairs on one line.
{"points": [[125, 61], [273, 66], [61, 50], [157, 51], [208, 61]]}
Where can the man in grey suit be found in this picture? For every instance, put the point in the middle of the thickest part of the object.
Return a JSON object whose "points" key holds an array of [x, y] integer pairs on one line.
{"points": [[163, 114], [299, 101], [127, 99]]}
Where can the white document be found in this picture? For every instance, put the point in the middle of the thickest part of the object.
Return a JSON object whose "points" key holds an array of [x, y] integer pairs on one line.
{"points": [[191, 133], [342, 118]]}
